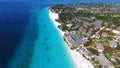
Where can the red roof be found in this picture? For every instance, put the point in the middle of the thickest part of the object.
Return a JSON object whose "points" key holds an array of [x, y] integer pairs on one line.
{"points": [[109, 48]]}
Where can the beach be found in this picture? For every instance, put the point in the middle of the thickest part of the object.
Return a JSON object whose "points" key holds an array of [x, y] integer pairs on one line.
{"points": [[78, 60], [54, 16]]}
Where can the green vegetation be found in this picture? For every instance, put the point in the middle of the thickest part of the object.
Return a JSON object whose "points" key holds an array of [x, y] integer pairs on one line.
{"points": [[78, 14], [94, 51], [72, 48], [102, 12], [107, 18], [118, 47], [108, 52]]}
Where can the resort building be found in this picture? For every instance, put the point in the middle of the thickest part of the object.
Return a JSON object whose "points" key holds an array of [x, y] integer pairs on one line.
{"points": [[97, 36], [69, 25], [100, 47], [103, 61], [75, 27], [83, 30], [86, 24], [98, 24], [89, 55], [73, 40], [115, 58], [113, 43], [86, 52], [89, 33], [104, 34]]}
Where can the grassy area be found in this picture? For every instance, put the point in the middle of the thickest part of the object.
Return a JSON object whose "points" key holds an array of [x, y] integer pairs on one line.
{"points": [[118, 47], [118, 62], [94, 51], [83, 13], [103, 41], [108, 52], [80, 33], [90, 43]]}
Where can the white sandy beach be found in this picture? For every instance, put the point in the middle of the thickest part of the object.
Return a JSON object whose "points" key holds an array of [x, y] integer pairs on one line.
{"points": [[78, 60], [54, 16]]}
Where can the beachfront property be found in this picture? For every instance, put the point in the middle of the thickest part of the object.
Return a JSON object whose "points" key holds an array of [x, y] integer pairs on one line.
{"points": [[73, 39], [82, 50], [92, 23], [103, 61]]}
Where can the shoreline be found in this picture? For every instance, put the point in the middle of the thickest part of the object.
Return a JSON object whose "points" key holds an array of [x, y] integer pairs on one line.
{"points": [[54, 16], [78, 60]]}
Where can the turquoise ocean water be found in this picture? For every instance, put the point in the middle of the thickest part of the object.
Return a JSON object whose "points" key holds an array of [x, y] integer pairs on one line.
{"points": [[41, 46], [50, 51]]}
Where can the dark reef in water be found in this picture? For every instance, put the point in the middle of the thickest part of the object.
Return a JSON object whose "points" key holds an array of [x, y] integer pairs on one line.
{"points": [[28, 43], [13, 20], [31, 41]]}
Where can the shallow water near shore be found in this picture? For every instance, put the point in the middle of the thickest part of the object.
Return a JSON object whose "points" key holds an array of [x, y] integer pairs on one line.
{"points": [[50, 51]]}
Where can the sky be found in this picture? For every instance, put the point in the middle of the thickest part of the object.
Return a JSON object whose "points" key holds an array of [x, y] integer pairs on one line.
{"points": [[65, 0]]}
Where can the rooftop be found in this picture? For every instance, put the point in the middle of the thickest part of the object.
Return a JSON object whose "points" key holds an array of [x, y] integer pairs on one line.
{"points": [[99, 47], [104, 62]]}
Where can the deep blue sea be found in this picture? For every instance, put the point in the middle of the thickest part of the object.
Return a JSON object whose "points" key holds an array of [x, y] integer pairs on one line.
{"points": [[22, 34], [14, 17]]}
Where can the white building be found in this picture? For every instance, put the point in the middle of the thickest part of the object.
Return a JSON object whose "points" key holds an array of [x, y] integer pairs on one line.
{"points": [[104, 34], [113, 43], [97, 36], [100, 47]]}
